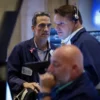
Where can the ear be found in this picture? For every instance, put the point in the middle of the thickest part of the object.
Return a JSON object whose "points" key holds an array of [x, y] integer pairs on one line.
{"points": [[74, 67], [33, 27]]}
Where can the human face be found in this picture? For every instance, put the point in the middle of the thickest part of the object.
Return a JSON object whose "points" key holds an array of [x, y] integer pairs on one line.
{"points": [[64, 26], [42, 28], [60, 69]]}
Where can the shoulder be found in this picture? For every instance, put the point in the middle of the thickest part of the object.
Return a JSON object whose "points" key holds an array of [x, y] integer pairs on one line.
{"points": [[84, 40], [85, 36], [22, 46], [25, 43], [86, 89]]}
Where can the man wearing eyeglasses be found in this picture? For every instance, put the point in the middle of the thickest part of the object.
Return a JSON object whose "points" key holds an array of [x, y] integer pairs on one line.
{"points": [[33, 50]]}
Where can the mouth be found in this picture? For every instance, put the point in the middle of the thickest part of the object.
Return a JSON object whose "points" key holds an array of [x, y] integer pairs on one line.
{"points": [[45, 34], [60, 33]]}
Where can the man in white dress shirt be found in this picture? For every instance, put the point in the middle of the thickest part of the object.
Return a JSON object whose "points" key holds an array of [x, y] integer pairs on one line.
{"points": [[69, 27]]}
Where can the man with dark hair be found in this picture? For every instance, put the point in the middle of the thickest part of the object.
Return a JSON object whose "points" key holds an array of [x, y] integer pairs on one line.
{"points": [[69, 27], [33, 50]]}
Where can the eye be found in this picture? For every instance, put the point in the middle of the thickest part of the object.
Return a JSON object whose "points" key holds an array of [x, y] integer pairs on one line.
{"points": [[61, 23], [55, 64], [49, 25], [42, 25]]}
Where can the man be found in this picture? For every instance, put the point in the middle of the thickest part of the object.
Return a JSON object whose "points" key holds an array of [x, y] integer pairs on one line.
{"points": [[70, 80], [33, 50], [69, 28]]}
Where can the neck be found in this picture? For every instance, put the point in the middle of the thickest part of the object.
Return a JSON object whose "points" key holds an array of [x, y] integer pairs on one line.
{"points": [[77, 26], [41, 44]]}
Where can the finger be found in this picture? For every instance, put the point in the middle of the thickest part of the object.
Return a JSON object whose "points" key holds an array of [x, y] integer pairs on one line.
{"points": [[36, 90], [36, 86], [32, 87]]}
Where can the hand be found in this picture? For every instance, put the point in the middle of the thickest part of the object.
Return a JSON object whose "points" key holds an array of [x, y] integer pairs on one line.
{"points": [[34, 86], [47, 82]]}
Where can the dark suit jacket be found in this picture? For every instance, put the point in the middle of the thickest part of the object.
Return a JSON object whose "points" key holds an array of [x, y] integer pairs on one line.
{"points": [[80, 89], [90, 48], [22, 53]]}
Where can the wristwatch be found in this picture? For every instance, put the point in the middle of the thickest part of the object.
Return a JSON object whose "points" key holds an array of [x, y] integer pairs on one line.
{"points": [[43, 94]]}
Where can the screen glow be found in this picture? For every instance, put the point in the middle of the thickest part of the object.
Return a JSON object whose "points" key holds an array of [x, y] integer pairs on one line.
{"points": [[96, 13]]}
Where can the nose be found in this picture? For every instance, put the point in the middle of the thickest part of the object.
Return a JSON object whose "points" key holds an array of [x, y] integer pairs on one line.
{"points": [[57, 27], [46, 28], [50, 69]]}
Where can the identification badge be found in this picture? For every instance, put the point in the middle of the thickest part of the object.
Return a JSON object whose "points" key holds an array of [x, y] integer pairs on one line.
{"points": [[26, 71]]}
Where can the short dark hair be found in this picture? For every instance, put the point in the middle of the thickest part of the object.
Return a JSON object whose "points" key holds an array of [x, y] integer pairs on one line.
{"points": [[34, 19], [69, 11]]}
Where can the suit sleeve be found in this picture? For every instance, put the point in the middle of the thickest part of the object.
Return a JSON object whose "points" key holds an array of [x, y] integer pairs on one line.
{"points": [[14, 69], [84, 97], [91, 53]]}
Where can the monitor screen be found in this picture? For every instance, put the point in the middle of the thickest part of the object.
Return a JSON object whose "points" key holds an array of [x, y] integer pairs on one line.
{"points": [[5, 93], [8, 93]]}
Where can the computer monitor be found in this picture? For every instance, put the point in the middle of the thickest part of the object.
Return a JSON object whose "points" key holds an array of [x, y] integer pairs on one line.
{"points": [[5, 93]]}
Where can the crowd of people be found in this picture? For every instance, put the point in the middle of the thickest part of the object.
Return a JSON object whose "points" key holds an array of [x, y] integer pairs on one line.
{"points": [[74, 69]]}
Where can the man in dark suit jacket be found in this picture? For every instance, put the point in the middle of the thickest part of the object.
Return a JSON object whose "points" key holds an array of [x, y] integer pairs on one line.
{"points": [[33, 50], [69, 28], [67, 79]]}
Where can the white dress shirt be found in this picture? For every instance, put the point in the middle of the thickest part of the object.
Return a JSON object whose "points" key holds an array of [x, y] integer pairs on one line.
{"points": [[68, 39]]}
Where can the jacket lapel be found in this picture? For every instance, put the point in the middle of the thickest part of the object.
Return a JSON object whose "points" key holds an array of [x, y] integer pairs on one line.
{"points": [[33, 50], [78, 35]]}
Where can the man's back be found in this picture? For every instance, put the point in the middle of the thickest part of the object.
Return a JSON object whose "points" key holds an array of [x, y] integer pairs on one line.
{"points": [[80, 89], [90, 48]]}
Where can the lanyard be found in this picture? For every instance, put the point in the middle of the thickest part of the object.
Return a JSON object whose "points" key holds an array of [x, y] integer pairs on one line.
{"points": [[44, 56], [57, 89], [47, 55], [62, 87]]}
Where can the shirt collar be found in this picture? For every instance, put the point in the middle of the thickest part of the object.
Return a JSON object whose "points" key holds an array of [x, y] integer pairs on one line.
{"points": [[68, 39], [63, 86], [47, 47]]}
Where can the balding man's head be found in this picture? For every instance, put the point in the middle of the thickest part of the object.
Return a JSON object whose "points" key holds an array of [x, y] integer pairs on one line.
{"points": [[66, 63], [70, 53]]}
